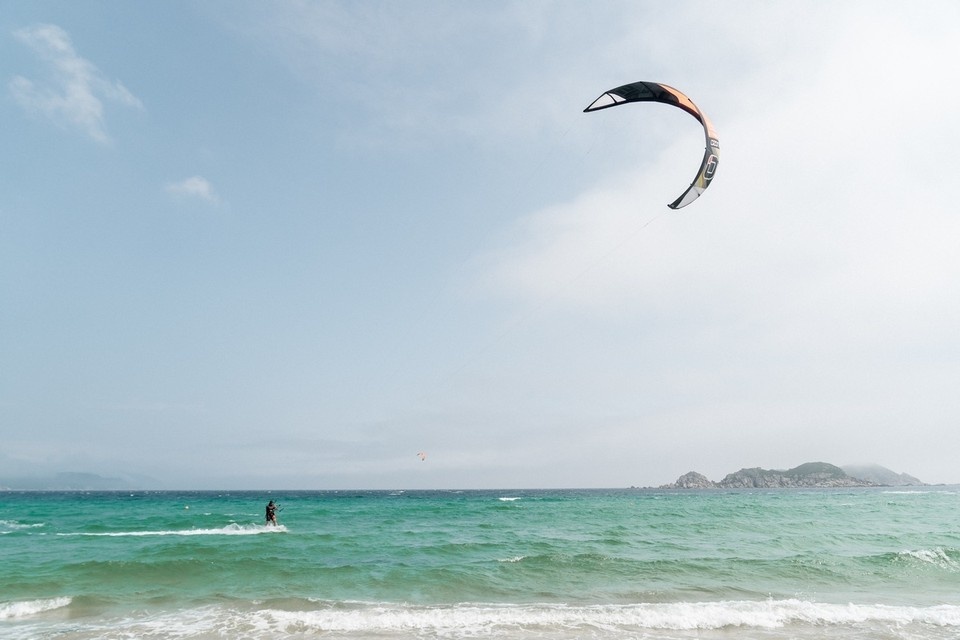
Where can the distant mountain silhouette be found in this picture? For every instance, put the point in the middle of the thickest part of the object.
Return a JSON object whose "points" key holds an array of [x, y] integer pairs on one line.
{"points": [[74, 481], [881, 475], [810, 474]]}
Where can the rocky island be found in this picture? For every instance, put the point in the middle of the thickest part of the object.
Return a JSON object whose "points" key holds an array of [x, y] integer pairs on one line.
{"points": [[809, 475]]}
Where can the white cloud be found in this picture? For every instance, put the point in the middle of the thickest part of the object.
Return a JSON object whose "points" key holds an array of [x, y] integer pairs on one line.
{"points": [[813, 289], [75, 92], [835, 184], [194, 187]]}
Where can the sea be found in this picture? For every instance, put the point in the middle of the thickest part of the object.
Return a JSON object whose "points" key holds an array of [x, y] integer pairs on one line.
{"points": [[844, 564]]}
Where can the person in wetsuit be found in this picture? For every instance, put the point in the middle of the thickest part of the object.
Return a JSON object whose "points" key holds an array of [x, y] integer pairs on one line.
{"points": [[271, 514]]}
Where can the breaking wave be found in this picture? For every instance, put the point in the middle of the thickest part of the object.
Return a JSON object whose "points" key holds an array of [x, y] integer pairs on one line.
{"points": [[229, 530], [293, 618], [938, 557], [26, 608], [8, 526]]}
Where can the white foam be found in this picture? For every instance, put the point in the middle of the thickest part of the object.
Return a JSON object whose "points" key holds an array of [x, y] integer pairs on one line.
{"points": [[25, 608], [803, 619], [13, 525], [513, 559], [681, 616], [229, 530], [938, 557], [509, 499]]}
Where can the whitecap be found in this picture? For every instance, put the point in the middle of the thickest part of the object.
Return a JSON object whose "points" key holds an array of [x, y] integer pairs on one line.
{"points": [[938, 557], [805, 619], [229, 530], [13, 525], [25, 608], [507, 620]]}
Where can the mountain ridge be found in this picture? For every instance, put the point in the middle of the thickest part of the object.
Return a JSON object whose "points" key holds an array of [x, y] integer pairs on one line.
{"points": [[807, 475]]}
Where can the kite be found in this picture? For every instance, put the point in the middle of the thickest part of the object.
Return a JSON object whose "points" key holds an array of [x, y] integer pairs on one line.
{"points": [[422, 455], [656, 92]]}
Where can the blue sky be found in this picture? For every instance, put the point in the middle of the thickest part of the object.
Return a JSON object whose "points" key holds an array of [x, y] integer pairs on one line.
{"points": [[292, 244]]}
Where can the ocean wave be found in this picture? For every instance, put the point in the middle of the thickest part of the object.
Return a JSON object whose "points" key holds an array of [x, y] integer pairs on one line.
{"points": [[298, 619], [939, 557], [26, 608], [513, 559], [13, 525], [679, 616], [229, 530]]}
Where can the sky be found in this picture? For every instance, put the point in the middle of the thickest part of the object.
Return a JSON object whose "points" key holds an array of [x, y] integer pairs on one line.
{"points": [[294, 244]]}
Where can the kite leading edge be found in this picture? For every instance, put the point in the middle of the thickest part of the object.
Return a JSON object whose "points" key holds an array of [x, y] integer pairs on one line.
{"points": [[656, 92]]}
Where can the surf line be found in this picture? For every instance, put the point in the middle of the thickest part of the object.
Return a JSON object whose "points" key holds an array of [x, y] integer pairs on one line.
{"points": [[232, 530]]}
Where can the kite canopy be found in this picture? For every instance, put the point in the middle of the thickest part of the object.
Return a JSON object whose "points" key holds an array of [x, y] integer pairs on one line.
{"points": [[656, 92]]}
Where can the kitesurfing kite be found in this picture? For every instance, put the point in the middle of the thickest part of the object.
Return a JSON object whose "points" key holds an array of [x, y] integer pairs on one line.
{"points": [[656, 92], [422, 455]]}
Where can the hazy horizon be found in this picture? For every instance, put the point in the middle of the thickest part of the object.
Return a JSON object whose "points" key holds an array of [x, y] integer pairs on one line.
{"points": [[130, 482]]}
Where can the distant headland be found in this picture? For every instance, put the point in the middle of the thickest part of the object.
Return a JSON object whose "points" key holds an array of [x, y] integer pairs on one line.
{"points": [[808, 475], [76, 481]]}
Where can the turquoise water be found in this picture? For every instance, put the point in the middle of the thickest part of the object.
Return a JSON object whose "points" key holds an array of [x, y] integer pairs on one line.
{"points": [[864, 563]]}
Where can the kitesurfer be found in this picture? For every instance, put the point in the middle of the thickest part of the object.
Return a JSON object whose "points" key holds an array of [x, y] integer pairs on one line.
{"points": [[271, 514]]}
